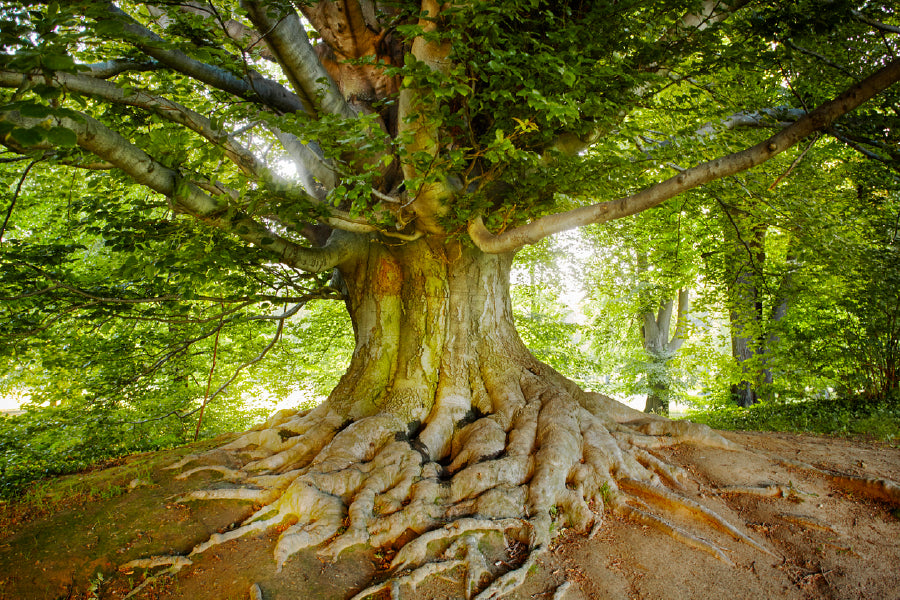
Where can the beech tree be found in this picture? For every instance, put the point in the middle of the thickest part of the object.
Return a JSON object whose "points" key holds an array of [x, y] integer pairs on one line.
{"points": [[410, 149], [660, 347]]}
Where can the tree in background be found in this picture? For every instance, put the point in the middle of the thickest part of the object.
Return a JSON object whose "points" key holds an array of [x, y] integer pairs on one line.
{"points": [[638, 280], [397, 156], [660, 347]]}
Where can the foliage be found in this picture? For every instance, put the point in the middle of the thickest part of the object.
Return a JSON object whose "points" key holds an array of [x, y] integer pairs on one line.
{"points": [[125, 298], [546, 300], [845, 325], [879, 419], [58, 440]]}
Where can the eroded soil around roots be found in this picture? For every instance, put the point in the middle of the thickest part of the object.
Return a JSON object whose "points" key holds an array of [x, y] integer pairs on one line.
{"points": [[681, 513]]}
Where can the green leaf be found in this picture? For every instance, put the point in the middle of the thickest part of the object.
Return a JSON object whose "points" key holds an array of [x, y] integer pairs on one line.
{"points": [[27, 137], [60, 136], [37, 111], [58, 62]]}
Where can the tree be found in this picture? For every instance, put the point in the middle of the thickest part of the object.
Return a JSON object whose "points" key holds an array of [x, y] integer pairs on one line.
{"points": [[660, 347], [412, 149], [638, 278]]}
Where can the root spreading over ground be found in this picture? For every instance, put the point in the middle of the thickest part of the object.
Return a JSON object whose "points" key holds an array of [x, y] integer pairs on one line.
{"points": [[546, 457]]}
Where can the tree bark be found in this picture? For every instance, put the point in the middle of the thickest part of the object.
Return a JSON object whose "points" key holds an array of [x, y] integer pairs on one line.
{"points": [[660, 348], [780, 304], [657, 402]]}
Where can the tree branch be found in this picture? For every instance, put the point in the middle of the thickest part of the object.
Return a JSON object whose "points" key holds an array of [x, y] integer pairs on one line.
{"points": [[187, 197], [12, 202], [235, 30], [680, 335], [710, 12], [819, 119], [111, 68], [169, 110], [286, 38], [874, 23], [256, 87]]}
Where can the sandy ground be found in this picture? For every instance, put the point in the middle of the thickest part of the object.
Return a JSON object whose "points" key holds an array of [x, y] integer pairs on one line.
{"points": [[827, 541]]}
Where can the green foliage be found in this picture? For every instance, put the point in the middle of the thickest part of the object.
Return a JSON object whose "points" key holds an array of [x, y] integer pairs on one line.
{"points": [[848, 326], [850, 416], [551, 330], [51, 441], [118, 320]]}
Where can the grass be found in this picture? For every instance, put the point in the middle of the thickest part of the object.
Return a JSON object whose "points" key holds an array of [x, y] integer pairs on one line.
{"points": [[101, 482], [845, 417]]}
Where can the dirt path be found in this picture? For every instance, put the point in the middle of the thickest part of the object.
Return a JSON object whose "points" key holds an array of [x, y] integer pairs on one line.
{"points": [[827, 540]]}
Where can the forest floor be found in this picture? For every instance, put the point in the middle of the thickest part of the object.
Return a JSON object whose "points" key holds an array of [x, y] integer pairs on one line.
{"points": [[69, 537]]}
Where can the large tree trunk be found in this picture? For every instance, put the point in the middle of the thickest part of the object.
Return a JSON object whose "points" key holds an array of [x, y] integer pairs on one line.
{"points": [[445, 418], [657, 401]]}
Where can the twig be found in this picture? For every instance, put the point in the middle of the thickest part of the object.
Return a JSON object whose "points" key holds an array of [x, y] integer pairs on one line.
{"points": [[16, 197], [212, 369], [253, 361], [794, 164]]}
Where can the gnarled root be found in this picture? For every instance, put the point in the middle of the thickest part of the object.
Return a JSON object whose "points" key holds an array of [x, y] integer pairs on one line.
{"points": [[877, 488], [539, 457]]}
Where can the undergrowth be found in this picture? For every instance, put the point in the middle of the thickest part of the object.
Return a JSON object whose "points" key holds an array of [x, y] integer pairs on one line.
{"points": [[48, 442], [846, 417]]}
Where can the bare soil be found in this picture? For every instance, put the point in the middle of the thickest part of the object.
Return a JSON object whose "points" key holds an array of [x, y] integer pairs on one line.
{"points": [[70, 538]]}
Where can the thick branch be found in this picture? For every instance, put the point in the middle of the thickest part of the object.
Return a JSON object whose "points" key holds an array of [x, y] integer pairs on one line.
{"points": [[304, 155], [255, 87], [111, 68], [310, 163], [171, 111], [684, 307], [415, 124], [875, 23], [819, 119], [235, 30], [286, 38], [187, 197]]}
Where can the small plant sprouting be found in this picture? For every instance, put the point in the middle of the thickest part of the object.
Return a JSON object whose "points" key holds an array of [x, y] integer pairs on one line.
{"points": [[606, 493], [96, 583]]}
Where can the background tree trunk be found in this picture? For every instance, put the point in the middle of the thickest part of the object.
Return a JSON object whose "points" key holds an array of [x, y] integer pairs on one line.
{"points": [[746, 248], [660, 348]]}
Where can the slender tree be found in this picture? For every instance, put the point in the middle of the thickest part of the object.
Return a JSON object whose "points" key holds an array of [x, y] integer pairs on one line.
{"points": [[660, 344], [412, 149]]}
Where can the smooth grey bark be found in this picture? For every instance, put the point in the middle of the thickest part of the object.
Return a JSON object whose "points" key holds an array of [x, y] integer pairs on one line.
{"points": [[661, 348], [254, 86]]}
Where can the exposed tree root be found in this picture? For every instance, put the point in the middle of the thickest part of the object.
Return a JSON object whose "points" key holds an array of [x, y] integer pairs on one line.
{"points": [[666, 498], [872, 487], [768, 490], [806, 522], [685, 537], [156, 561], [540, 456], [412, 579], [174, 564], [561, 590], [255, 592]]}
